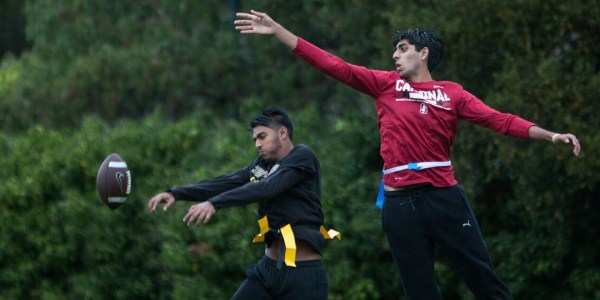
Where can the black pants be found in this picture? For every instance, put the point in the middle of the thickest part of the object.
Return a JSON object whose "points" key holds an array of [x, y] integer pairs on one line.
{"points": [[415, 220], [307, 280]]}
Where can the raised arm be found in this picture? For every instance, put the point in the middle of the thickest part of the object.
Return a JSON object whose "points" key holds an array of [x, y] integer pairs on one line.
{"points": [[260, 23], [536, 132]]}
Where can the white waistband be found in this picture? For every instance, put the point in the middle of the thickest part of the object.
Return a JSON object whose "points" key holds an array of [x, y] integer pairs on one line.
{"points": [[418, 166]]}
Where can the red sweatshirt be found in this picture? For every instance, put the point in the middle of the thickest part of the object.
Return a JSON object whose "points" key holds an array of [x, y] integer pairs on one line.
{"points": [[417, 120]]}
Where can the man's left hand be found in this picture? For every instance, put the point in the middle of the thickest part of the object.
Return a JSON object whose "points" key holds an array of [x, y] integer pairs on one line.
{"points": [[200, 212], [566, 139]]}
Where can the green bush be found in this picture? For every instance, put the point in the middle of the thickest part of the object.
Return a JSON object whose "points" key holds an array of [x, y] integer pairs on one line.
{"points": [[169, 85]]}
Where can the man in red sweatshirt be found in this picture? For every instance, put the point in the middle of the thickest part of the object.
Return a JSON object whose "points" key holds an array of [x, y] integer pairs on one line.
{"points": [[417, 119]]}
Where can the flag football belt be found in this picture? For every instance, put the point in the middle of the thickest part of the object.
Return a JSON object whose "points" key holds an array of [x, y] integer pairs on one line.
{"points": [[418, 166], [286, 234]]}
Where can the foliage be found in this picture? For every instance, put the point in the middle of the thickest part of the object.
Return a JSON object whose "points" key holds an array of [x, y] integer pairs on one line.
{"points": [[12, 28], [169, 85]]}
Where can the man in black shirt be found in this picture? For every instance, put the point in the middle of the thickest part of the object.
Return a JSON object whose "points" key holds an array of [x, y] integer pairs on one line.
{"points": [[286, 182]]}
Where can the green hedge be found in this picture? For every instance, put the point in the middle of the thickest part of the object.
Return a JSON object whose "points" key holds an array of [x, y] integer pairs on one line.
{"points": [[170, 86]]}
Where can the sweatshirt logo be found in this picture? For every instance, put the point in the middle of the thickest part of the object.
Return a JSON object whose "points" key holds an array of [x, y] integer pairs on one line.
{"points": [[435, 97], [423, 110], [258, 174]]}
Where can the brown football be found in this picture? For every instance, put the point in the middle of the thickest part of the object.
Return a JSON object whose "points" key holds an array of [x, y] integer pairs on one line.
{"points": [[113, 181]]}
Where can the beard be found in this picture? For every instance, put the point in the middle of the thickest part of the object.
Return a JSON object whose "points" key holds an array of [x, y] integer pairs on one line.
{"points": [[270, 155]]}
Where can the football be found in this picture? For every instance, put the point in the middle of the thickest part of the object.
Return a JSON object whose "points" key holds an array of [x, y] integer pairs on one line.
{"points": [[113, 181]]}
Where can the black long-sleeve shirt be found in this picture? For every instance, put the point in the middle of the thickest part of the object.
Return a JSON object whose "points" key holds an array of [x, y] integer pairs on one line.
{"points": [[288, 192]]}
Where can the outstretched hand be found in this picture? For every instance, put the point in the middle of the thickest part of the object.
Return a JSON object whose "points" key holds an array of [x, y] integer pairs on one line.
{"points": [[567, 138], [200, 212], [161, 197], [254, 22]]}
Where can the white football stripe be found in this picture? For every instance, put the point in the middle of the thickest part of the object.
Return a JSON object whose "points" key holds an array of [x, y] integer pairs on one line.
{"points": [[116, 199], [117, 164], [128, 182]]}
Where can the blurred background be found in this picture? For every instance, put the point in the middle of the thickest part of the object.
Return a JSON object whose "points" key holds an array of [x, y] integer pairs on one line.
{"points": [[171, 86]]}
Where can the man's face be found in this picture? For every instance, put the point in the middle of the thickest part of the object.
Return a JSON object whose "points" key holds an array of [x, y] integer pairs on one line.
{"points": [[408, 60], [268, 142]]}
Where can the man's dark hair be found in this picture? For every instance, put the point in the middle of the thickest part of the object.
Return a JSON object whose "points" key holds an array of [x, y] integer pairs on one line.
{"points": [[274, 118], [422, 38]]}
